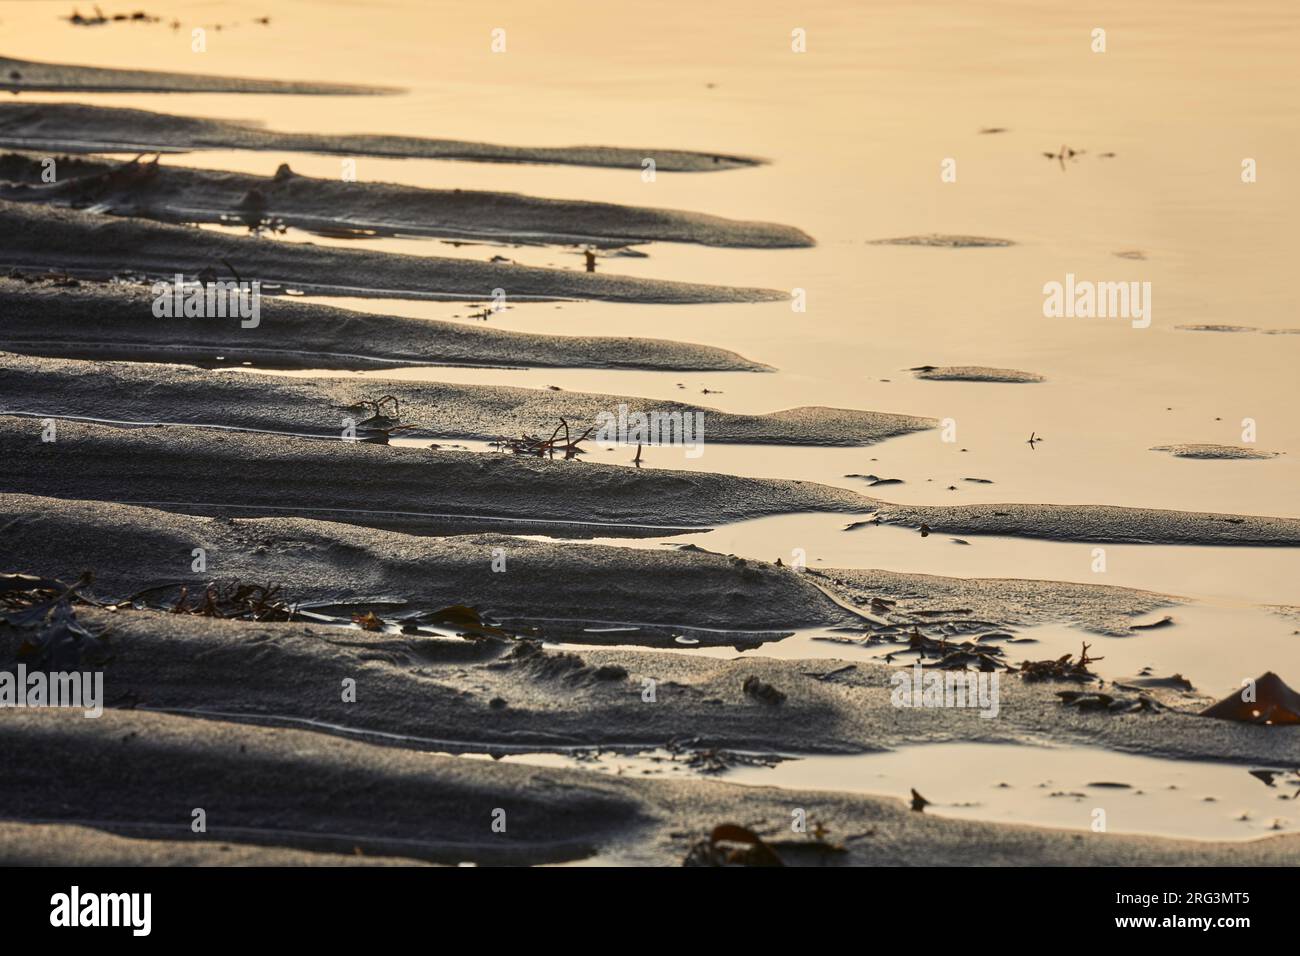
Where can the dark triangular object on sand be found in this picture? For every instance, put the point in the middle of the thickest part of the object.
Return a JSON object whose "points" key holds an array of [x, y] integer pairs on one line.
{"points": [[1274, 703]]}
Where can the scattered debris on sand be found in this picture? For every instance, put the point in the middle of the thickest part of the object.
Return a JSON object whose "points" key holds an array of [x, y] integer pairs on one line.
{"points": [[43, 611], [1067, 667], [567, 446]]}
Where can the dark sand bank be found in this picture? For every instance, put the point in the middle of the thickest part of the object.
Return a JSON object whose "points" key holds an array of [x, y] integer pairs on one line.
{"points": [[46, 238], [1100, 523], [65, 844], [981, 605], [290, 788], [1215, 452], [116, 321], [64, 77], [178, 194], [486, 695], [71, 127], [329, 795], [937, 240], [141, 392], [130, 548], [360, 483], [378, 566], [412, 489], [1235, 328], [974, 373]]}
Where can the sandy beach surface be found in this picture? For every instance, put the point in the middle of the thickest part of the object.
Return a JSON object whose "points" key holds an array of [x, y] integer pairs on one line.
{"points": [[637, 441]]}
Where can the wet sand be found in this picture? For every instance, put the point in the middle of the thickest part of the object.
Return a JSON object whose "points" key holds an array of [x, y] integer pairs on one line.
{"points": [[112, 391], [130, 548], [160, 464], [461, 588], [44, 238], [1216, 452], [72, 127], [178, 194], [97, 320], [970, 373], [20, 76], [414, 489], [291, 788], [64, 844]]}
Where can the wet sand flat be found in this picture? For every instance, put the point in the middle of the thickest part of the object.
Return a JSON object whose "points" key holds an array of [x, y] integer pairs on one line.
{"points": [[346, 595]]}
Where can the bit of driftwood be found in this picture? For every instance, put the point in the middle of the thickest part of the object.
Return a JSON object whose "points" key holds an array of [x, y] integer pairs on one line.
{"points": [[20, 593], [1062, 668], [228, 599], [234, 599], [77, 19], [713, 760], [956, 656], [730, 844], [546, 447], [43, 609], [1065, 153], [380, 425]]}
